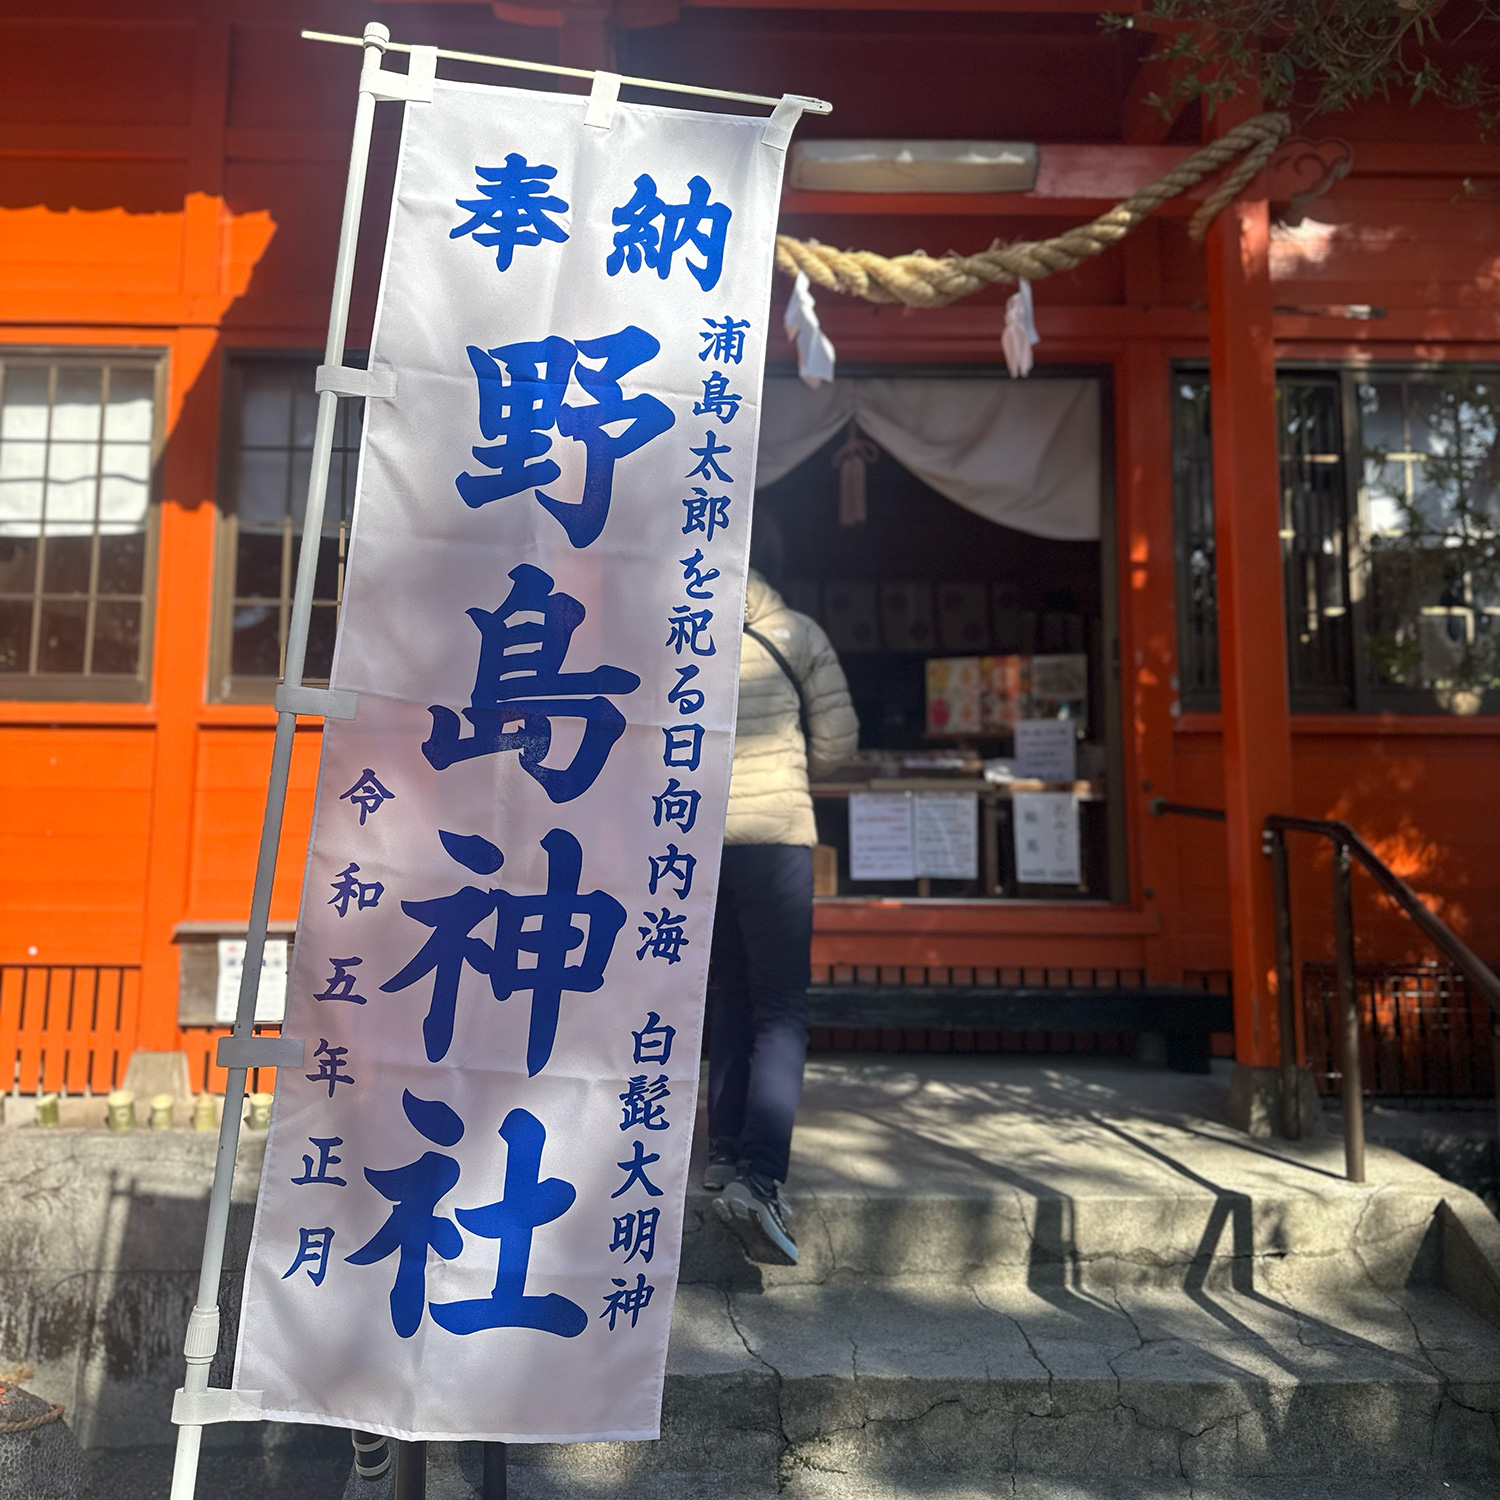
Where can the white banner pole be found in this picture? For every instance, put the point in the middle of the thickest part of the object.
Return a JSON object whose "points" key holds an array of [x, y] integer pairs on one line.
{"points": [[202, 1339]]}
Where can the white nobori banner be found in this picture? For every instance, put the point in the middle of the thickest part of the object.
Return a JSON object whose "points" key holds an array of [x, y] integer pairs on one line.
{"points": [[471, 1209]]}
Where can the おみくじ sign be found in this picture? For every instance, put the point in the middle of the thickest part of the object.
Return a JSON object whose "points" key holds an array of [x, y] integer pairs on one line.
{"points": [[470, 1213]]}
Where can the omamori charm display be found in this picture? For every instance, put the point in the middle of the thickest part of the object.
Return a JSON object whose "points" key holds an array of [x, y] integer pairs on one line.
{"points": [[471, 1209]]}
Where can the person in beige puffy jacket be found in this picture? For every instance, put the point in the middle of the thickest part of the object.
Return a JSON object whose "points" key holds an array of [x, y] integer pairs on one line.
{"points": [[794, 717]]}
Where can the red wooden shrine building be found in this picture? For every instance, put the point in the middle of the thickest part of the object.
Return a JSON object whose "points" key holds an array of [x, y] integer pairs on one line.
{"points": [[1275, 611]]}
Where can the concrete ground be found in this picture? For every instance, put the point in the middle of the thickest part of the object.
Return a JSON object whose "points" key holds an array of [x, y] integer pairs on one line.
{"points": [[1058, 1279]]}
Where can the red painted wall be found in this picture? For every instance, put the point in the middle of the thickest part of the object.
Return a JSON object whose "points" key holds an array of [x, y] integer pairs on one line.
{"points": [[171, 177]]}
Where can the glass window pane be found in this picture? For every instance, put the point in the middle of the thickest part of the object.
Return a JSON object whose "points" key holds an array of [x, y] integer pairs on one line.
{"points": [[257, 565], [304, 410], [265, 408], [340, 492], [65, 564], [18, 564], [326, 580], [301, 468], [320, 634], [72, 485], [256, 647], [15, 635], [122, 561], [75, 406], [22, 467], [261, 494], [127, 417], [1431, 554], [23, 410], [117, 636], [64, 623], [125, 482]]}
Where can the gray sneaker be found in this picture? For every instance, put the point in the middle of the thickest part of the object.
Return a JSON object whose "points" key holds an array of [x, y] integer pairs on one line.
{"points": [[720, 1171], [755, 1216]]}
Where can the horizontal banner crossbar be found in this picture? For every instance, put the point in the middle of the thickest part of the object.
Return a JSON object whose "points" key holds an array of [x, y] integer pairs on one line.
{"points": [[812, 106]]}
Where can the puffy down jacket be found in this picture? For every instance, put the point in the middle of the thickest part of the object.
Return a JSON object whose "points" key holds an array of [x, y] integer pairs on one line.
{"points": [[769, 802]]}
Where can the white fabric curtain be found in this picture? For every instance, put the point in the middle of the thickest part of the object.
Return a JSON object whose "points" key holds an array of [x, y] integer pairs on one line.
{"points": [[1023, 454]]}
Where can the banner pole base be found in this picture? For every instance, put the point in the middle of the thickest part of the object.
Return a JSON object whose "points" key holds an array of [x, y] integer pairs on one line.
{"points": [[494, 1472], [411, 1471]]}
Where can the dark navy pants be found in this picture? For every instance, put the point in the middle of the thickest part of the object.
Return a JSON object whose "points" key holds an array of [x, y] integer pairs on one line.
{"points": [[758, 1002]]}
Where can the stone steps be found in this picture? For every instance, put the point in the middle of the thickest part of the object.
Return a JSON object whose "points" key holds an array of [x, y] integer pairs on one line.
{"points": [[978, 1382], [452, 1479]]}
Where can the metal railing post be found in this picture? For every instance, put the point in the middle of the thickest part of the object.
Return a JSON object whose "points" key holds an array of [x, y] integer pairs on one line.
{"points": [[1286, 997], [1352, 1083]]}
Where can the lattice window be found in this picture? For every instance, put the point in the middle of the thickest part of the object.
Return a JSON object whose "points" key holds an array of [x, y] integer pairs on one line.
{"points": [[78, 442]]}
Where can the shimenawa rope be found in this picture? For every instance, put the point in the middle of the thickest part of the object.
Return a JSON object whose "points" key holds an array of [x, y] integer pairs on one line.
{"points": [[921, 280], [26, 1424]]}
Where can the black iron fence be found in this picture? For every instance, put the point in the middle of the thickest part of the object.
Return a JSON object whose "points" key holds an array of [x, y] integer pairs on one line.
{"points": [[1424, 1032]]}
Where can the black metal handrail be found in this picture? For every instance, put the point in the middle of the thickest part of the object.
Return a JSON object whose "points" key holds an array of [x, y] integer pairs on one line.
{"points": [[1347, 847]]}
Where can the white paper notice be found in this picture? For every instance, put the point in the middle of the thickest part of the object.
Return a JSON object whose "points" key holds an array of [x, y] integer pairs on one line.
{"points": [[270, 999], [945, 835], [880, 836], [1047, 750], [1046, 825]]}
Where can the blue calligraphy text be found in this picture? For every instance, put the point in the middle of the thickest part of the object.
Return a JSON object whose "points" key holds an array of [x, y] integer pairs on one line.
{"points": [[688, 627], [678, 804], [519, 680], [724, 342], [695, 580], [340, 984], [688, 699], [330, 1061], [366, 794], [698, 223], [708, 460], [631, 1299], [684, 745], [553, 937], [665, 938], [511, 208], [412, 1227], [706, 513], [517, 413], [642, 1101], [636, 1233], [313, 1246], [653, 1042], [527, 1204], [347, 888], [326, 1159], [718, 400], [635, 1170], [673, 865]]}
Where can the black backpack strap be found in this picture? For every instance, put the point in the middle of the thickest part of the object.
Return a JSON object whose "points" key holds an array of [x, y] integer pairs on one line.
{"points": [[791, 677]]}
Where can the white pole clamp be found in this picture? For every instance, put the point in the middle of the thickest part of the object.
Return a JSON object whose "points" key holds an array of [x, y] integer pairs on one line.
{"points": [[783, 120], [261, 1052], [216, 1404], [344, 381], [603, 97], [411, 87], [326, 703]]}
